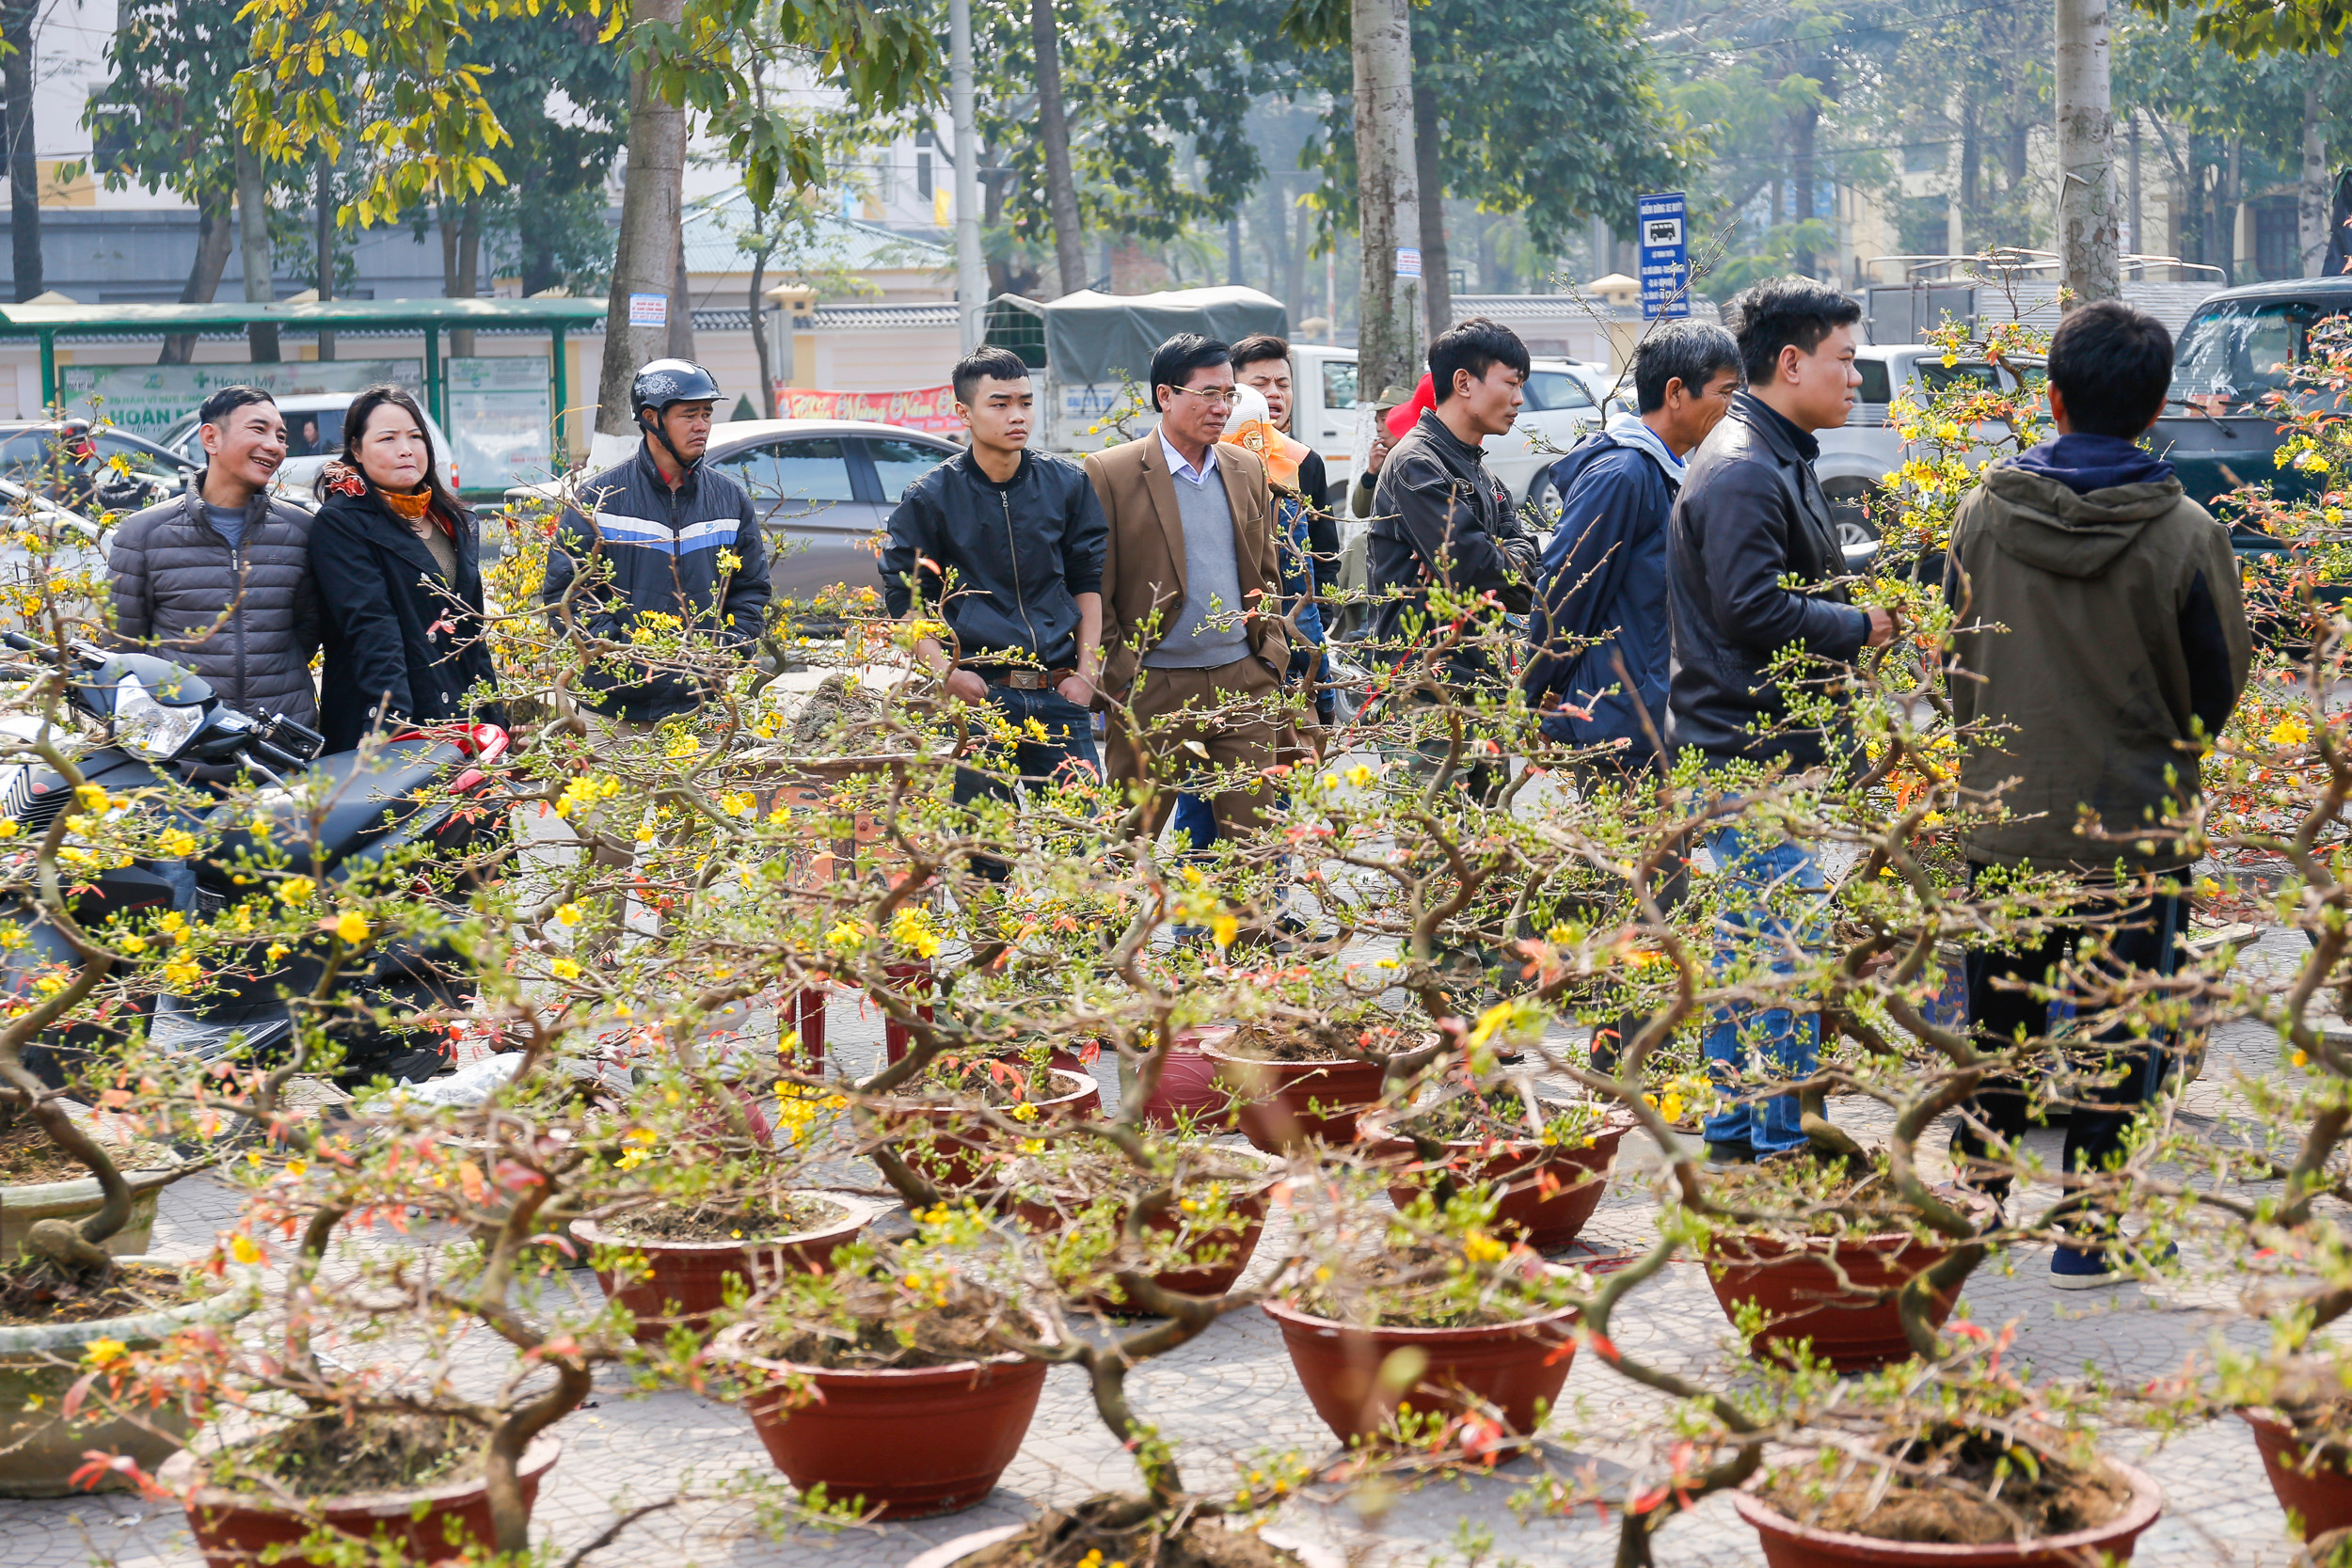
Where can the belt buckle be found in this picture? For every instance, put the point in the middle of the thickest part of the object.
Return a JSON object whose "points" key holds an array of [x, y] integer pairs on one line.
{"points": [[1026, 680]]}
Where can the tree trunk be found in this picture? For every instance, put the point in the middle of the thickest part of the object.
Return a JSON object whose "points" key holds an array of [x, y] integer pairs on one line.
{"points": [[1300, 239], [2135, 209], [759, 301], [16, 82], [681, 309], [1232, 248], [212, 236], [1387, 197], [253, 252], [645, 255], [1803, 128], [2233, 207], [2088, 253], [2315, 191], [1053, 130], [468, 283], [1437, 275], [323, 241], [1971, 158]]}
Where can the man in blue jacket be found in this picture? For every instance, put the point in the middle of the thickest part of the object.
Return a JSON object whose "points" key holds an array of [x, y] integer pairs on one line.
{"points": [[1600, 595]]}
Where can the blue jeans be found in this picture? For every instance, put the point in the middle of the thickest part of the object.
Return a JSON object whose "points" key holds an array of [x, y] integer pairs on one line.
{"points": [[1783, 874]]}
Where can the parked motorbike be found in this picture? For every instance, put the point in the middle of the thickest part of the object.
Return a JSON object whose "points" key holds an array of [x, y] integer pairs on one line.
{"points": [[329, 818]]}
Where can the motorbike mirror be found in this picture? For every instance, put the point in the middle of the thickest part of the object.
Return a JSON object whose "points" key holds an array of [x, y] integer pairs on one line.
{"points": [[171, 685]]}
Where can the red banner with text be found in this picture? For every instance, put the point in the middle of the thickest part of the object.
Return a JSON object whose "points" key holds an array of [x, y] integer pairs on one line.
{"points": [[931, 408]]}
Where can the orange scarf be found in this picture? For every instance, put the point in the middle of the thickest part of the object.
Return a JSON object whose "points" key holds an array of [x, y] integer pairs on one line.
{"points": [[413, 509]]}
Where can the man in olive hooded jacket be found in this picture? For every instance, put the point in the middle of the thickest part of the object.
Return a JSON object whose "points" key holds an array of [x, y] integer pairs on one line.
{"points": [[2101, 640]]}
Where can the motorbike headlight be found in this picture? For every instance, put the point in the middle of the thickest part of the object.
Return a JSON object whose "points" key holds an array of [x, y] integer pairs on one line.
{"points": [[147, 728]]}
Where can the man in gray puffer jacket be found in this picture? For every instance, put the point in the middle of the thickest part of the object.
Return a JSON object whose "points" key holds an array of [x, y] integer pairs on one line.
{"points": [[218, 578]]}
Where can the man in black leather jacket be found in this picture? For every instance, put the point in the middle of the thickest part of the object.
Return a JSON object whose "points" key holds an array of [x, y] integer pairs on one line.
{"points": [[1002, 548], [1750, 515]]}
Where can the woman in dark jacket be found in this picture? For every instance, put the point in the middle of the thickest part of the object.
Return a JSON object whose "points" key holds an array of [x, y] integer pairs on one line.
{"points": [[399, 584]]}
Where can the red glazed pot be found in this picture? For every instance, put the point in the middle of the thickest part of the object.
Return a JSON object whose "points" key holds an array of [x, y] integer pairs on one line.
{"points": [[1285, 1106], [1789, 1545], [916, 1443], [1234, 1244], [1854, 1322], [685, 1282], [233, 1529], [960, 1151], [2319, 1495], [1189, 1082], [1512, 1367], [1548, 1214]]}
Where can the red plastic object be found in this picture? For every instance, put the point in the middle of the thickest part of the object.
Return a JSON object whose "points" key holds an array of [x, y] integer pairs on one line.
{"points": [[1789, 1545], [807, 1008], [921, 1442], [685, 1282], [1513, 1368], [955, 1149], [916, 977], [233, 1529], [1189, 1082]]}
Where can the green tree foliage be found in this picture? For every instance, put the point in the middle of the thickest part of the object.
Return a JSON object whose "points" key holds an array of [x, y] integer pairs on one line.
{"points": [[1555, 113], [2248, 28]]}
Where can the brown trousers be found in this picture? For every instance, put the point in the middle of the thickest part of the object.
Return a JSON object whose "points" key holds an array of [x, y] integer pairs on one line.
{"points": [[1241, 745]]}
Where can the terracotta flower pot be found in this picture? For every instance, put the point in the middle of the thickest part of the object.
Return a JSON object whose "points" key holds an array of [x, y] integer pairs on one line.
{"points": [[2319, 1495], [1286, 1105], [1852, 1321], [1512, 1367], [685, 1282], [955, 1151], [1189, 1083], [233, 1529], [1789, 1545], [1230, 1246], [39, 1363], [915, 1443], [1546, 1192]]}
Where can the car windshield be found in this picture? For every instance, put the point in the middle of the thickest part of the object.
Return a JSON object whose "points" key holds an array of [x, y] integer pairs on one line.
{"points": [[2236, 351], [316, 433], [1548, 391]]}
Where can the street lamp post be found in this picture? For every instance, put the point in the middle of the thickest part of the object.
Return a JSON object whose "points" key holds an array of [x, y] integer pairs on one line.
{"points": [[971, 272]]}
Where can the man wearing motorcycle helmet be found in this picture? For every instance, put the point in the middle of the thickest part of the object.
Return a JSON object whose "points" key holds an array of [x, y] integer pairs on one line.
{"points": [[660, 534]]}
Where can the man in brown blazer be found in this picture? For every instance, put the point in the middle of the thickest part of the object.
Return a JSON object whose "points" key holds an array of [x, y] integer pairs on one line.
{"points": [[1191, 595]]}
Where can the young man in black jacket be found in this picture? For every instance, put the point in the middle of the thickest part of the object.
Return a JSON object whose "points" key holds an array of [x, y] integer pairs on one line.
{"points": [[1002, 548], [1750, 515], [1441, 519]]}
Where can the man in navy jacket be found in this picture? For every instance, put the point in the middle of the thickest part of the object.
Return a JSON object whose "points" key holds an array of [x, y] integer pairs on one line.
{"points": [[1601, 594]]}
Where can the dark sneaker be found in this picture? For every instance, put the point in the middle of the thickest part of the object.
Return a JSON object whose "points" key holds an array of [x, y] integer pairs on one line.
{"points": [[2082, 1268], [1724, 1156]]}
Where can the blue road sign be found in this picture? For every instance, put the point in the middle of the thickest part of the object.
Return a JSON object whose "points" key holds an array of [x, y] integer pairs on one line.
{"points": [[1666, 255]]}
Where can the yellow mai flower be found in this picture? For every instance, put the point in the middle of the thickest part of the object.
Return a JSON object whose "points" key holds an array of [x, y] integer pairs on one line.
{"points": [[912, 928], [243, 1249], [845, 935], [296, 890], [134, 945], [182, 973], [351, 926], [178, 843], [278, 950], [1223, 927], [2290, 731], [1360, 776], [90, 798], [7, 829], [568, 914], [105, 1352], [1481, 1248], [565, 969]]}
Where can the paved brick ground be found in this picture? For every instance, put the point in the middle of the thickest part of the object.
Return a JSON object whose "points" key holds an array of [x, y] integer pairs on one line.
{"points": [[1232, 1393]]}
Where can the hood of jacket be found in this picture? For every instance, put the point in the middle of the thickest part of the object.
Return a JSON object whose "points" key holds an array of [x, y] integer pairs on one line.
{"points": [[2045, 522], [2084, 463]]}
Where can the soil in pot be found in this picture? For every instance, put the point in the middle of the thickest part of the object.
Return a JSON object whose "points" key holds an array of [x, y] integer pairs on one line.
{"points": [[403, 1480], [682, 1257], [1548, 1179], [38, 1181], [2317, 1489], [1486, 1354], [1077, 1201], [1973, 1494], [1835, 1279], [915, 1415], [1077, 1538], [945, 1142]]}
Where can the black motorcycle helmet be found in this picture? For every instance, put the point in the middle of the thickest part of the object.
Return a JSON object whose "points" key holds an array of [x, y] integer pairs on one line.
{"points": [[664, 384]]}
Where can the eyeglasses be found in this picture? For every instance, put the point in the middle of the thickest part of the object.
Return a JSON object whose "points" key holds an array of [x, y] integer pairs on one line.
{"points": [[1224, 397]]}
